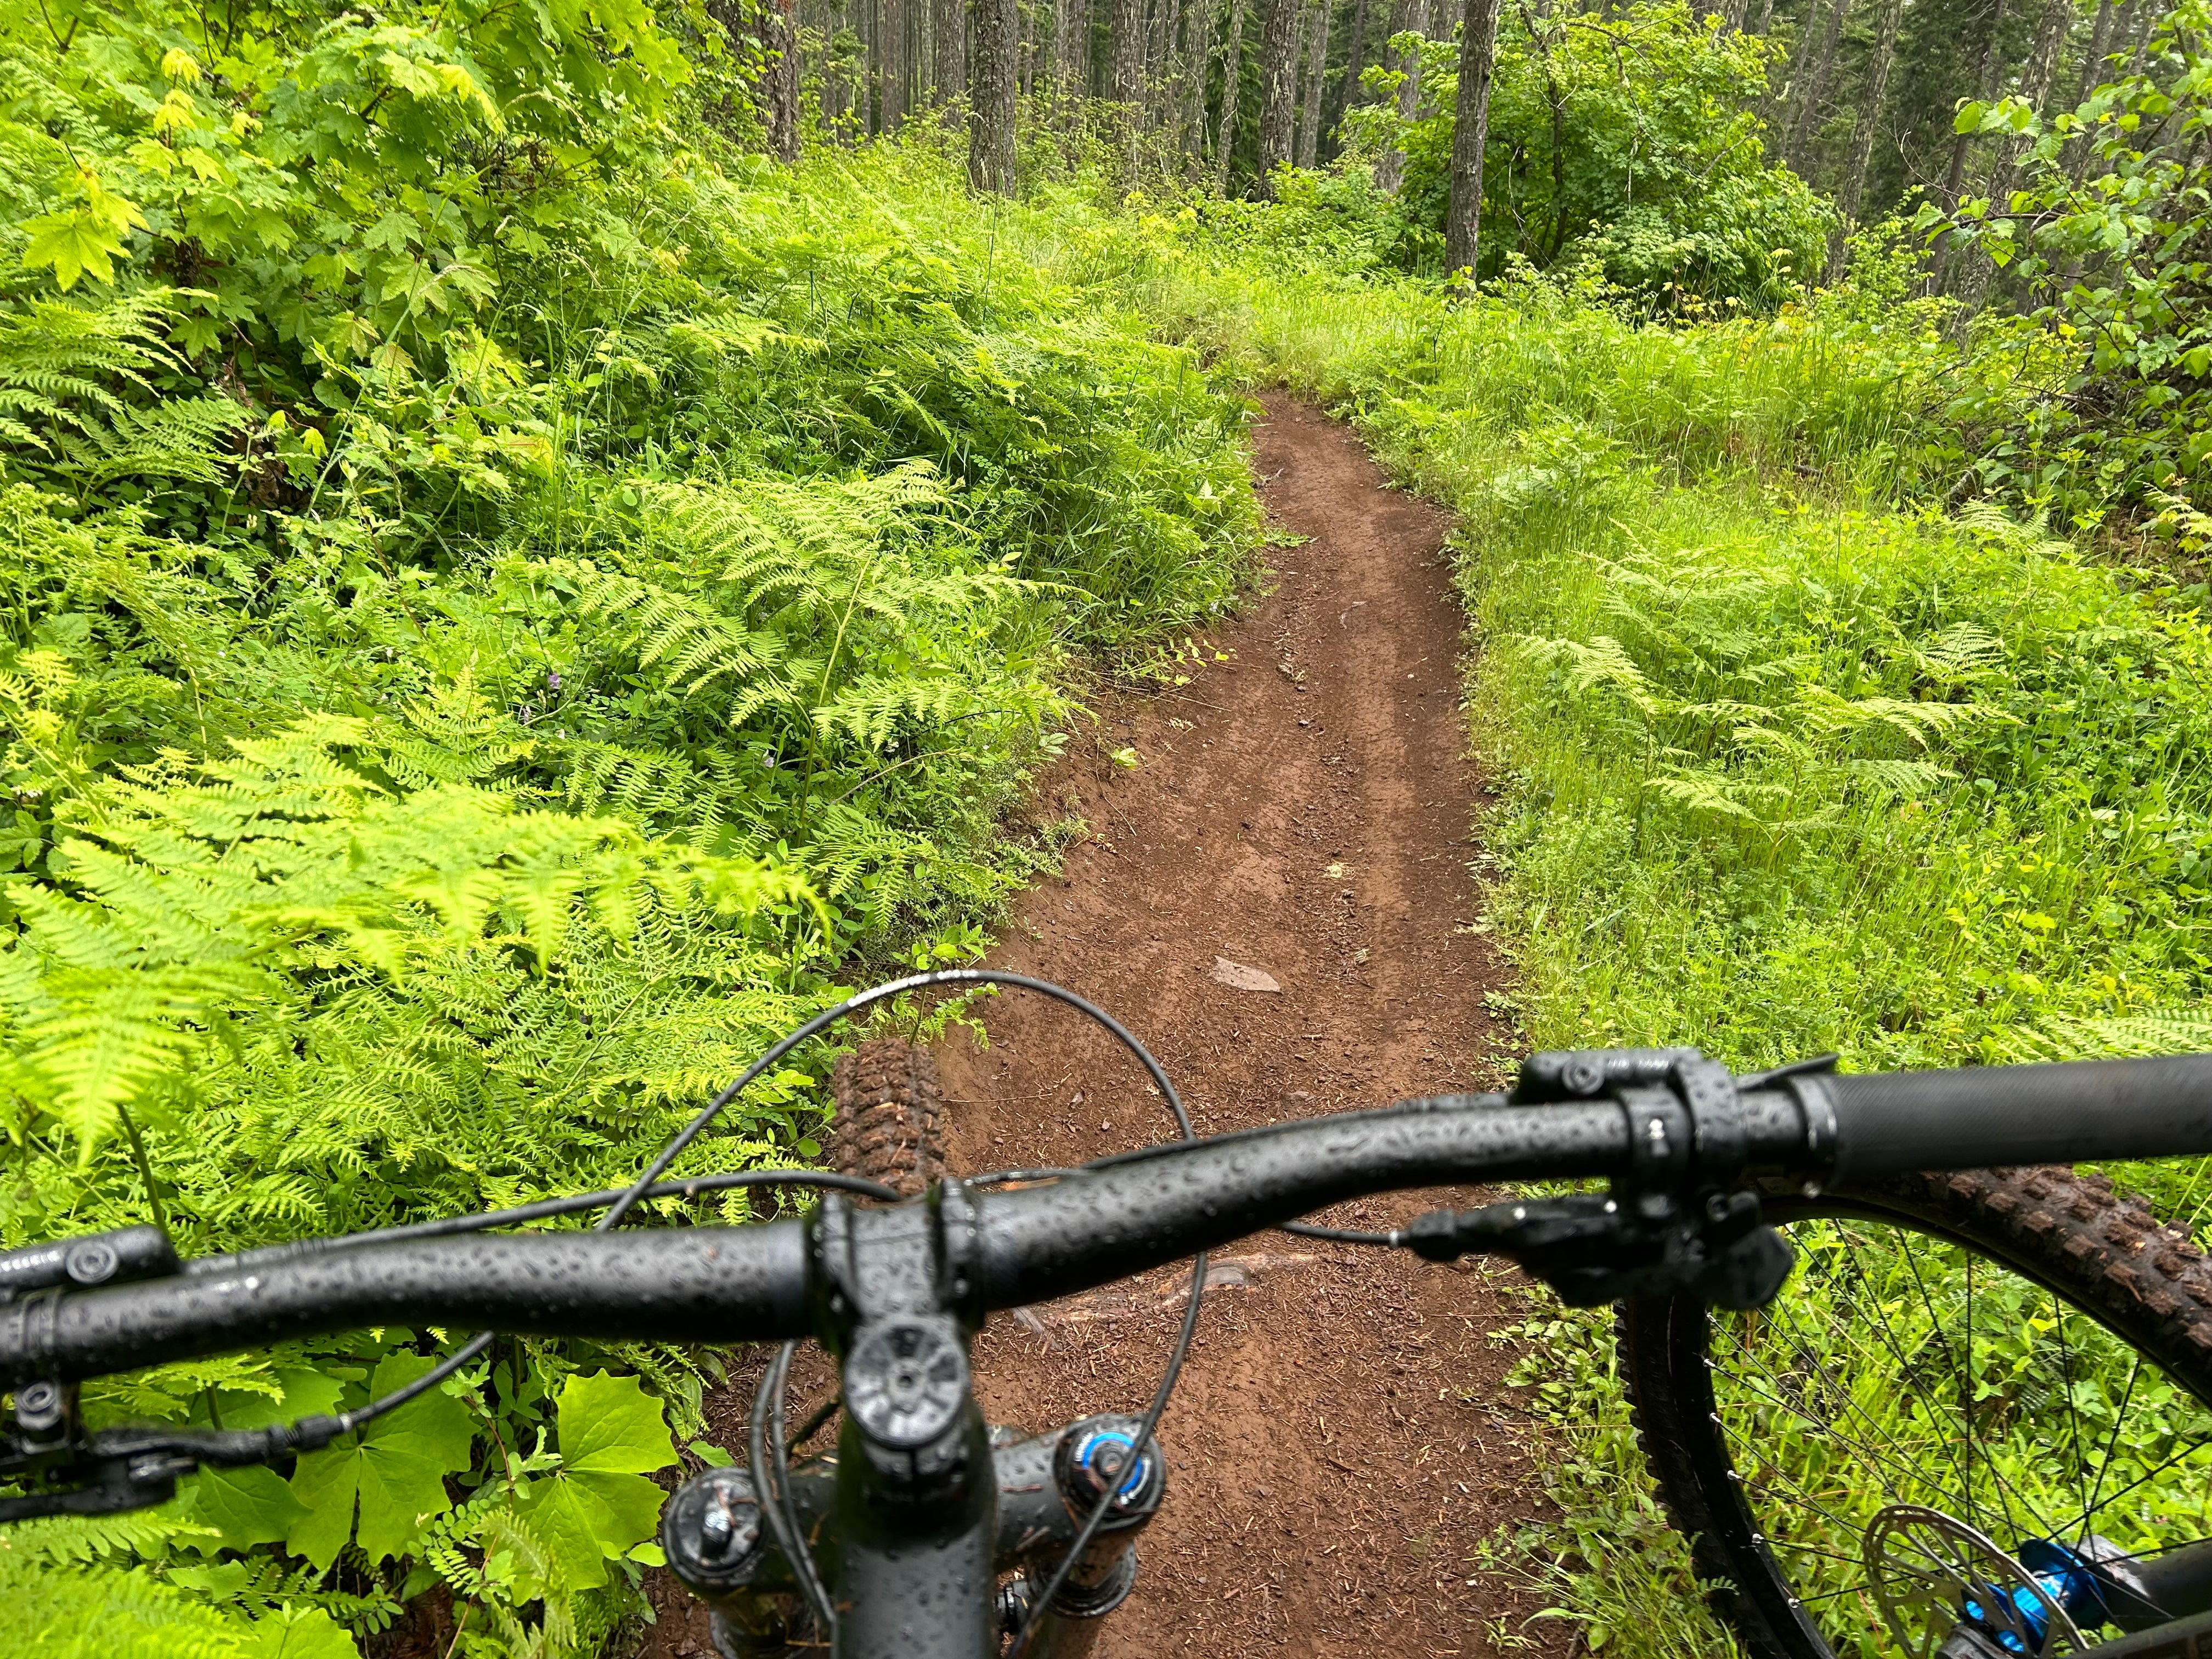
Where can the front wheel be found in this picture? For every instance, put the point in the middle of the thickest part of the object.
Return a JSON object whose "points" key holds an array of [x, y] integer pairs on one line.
{"points": [[1976, 1423]]}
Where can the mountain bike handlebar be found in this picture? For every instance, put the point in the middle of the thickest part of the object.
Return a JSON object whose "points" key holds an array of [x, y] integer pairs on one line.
{"points": [[1616, 1116], [920, 1486]]}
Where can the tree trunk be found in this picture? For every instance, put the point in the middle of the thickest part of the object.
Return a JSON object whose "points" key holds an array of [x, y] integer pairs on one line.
{"points": [[2113, 24], [1196, 63], [1232, 87], [1279, 86], [1344, 92], [1051, 49], [1128, 85], [1317, 70], [2036, 81], [1873, 96], [1810, 90], [2110, 19], [1954, 177], [2141, 42], [1478, 56], [948, 50], [1167, 78], [1408, 17], [779, 26], [890, 56], [870, 16], [991, 96]]}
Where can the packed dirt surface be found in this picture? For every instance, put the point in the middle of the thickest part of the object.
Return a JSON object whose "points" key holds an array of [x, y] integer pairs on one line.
{"points": [[1298, 815]]}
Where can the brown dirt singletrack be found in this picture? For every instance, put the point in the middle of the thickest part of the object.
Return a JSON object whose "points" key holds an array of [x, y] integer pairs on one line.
{"points": [[1342, 1444]]}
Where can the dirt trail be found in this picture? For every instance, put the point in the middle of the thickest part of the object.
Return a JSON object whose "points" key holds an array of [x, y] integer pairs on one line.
{"points": [[1302, 809], [1337, 1447]]}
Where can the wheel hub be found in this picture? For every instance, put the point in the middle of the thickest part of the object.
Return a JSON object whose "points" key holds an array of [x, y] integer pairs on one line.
{"points": [[1947, 1591]]}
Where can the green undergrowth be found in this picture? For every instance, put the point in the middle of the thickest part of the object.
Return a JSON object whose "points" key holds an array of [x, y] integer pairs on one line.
{"points": [[1796, 757], [507, 604]]}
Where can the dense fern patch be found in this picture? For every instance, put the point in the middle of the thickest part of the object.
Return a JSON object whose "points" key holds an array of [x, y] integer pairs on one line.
{"points": [[508, 603]]}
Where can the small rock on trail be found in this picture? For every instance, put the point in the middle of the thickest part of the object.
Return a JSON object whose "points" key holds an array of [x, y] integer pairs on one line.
{"points": [[1238, 977]]}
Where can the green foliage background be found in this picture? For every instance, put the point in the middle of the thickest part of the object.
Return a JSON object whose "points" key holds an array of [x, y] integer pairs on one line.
{"points": [[1626, 141], [506, 604]]}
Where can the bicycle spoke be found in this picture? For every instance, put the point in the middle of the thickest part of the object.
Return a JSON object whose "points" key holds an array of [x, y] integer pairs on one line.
{"points": [[1903, 1369], [2105, 1462], [2073, 1416]]}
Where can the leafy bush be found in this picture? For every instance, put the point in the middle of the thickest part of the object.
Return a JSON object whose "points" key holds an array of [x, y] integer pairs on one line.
{"points": [[2106, 240], [1625, 140], [508, 603]]}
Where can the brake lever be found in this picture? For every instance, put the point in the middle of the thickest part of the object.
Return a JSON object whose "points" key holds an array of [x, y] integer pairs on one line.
{"points": [[1674, 1223], [119, 1469], [1591, 1249]]}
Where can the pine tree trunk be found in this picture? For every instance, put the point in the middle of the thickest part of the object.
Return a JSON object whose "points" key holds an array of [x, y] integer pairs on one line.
{"points": [[779, 26], [1196, 66], [1344, 92], [1167, 81], [1810, 91], [991, 96], [1232, 87], [834, 97], [2141, 42], [1052, 66], [1478, 57], [1128, 82], [1873, 96], [1279, 86], [891, 25], [871, 74], [1408, 17], [1954, 177], [1317, 33], [2109, 20], [948, 50], [2112, 25]]}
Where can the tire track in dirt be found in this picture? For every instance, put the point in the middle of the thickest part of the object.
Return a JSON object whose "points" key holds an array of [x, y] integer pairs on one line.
{"points": [[1337, 1449]]}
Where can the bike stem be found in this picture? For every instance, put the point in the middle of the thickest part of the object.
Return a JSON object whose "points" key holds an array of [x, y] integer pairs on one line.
{"points": [[920, 1514]]}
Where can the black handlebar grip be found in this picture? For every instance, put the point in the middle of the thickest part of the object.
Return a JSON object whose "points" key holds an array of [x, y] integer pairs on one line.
{"points": [[667, 1285], [1893, 1123]]}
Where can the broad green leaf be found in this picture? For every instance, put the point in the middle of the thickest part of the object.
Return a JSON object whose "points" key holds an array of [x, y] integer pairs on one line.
{"points": [[297, 1632], [611, 1426], [599, 1504], [396, 1475], [248, 1506], [86, 237]]}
